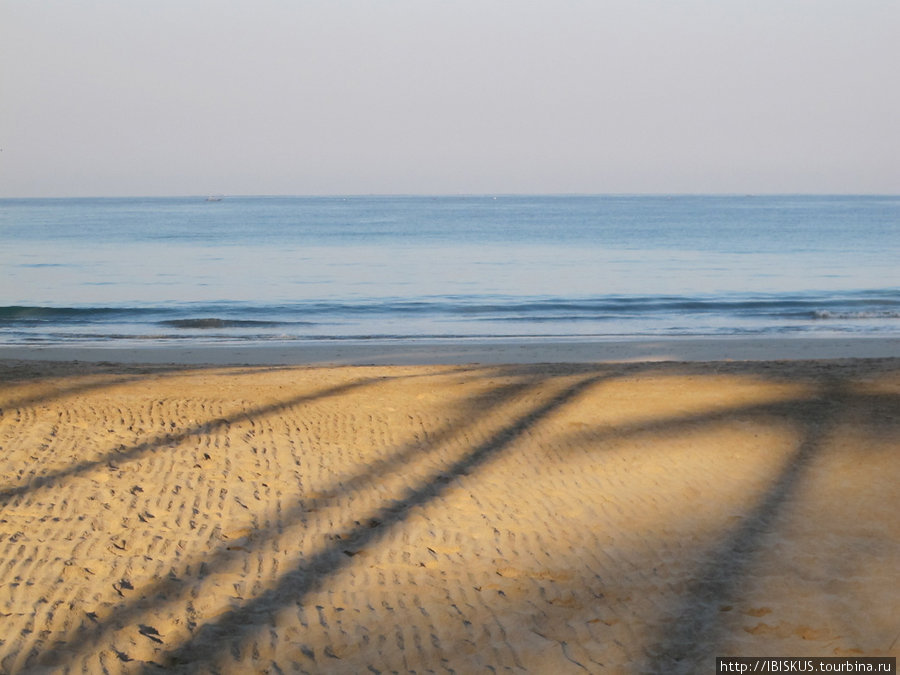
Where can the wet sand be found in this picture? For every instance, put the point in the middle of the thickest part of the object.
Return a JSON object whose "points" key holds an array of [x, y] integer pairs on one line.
{"points": [[556, 518], [476, 350]]}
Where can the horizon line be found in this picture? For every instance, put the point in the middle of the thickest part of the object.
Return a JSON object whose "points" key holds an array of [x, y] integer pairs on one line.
{"points": [[369, 195]]}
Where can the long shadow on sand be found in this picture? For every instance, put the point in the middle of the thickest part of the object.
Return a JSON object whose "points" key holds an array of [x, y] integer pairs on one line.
{"points": [[697, 623], [716, 580], [165, 440], [685, 643], [676, 647], [169, 589], [201, 651]]}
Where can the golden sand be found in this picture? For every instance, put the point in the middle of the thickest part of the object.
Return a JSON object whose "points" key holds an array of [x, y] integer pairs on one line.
{"points": [[528, 518]]}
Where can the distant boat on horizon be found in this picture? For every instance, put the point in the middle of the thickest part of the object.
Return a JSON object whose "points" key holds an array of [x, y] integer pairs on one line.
{"points": [[214, 198]]}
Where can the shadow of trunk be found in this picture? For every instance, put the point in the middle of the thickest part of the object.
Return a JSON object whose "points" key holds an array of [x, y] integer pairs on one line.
{"points": [[224, 635], [696, 628]]}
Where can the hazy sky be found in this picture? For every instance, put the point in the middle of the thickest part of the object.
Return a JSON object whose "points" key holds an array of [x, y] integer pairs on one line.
{"points": [[105, 97]]}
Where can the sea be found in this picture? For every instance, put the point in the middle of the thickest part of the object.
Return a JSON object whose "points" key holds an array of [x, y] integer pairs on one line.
{"points": [[136, 271]]}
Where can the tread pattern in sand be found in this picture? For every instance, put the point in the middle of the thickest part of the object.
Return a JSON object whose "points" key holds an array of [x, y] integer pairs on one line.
{"points": [[626, 518]]}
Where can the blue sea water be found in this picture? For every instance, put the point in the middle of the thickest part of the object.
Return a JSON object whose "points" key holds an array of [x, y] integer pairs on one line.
{"points": [[262, 269]]}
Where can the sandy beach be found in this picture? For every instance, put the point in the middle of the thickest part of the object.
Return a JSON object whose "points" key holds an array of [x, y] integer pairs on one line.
{"points": [[494, 514]]}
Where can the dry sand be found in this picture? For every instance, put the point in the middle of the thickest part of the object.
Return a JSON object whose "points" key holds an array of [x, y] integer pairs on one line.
{"points": [[543, 518]]}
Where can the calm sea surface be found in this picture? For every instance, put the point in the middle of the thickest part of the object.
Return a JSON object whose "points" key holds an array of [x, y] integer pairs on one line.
{"points": [[121, 271]]}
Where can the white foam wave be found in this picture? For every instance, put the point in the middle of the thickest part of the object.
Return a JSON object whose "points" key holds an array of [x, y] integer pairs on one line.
{"points": [[827, 314]]}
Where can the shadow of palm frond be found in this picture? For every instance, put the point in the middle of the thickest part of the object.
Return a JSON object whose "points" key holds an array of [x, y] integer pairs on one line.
{"points": [[677, 645], [169, 589], [169, 439], [87, 378], [216, 638], [683, 642], [696, 623]]}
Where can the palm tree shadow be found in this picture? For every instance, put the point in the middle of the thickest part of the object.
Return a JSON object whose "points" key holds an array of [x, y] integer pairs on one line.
{"points": [[696, 622], [688, 641], [168, 588], [165, 440], [684, 643], [208, 644], [88, 378], [677, 646]]}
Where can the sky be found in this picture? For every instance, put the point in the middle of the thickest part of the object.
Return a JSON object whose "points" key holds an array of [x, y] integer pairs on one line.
{"points": [[191, 97]]}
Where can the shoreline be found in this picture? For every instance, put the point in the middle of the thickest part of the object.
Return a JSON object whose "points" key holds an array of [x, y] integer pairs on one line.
{"points": [[476, 351]]}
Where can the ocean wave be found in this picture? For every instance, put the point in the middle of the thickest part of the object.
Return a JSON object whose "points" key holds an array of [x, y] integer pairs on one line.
{"points": [[25, 314], [614, 314], [38, 313], [825, 314], [213, 322]]}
